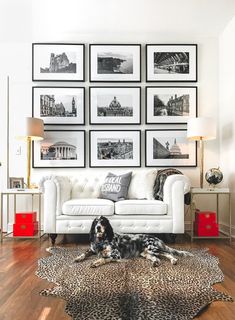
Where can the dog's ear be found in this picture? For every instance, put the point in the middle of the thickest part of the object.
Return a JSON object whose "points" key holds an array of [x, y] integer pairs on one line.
{"points": [[92, 231], [109, 230]]}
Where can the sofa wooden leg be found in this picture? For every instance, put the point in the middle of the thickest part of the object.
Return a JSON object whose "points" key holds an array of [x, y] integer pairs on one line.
{"points": [[53, 237]]}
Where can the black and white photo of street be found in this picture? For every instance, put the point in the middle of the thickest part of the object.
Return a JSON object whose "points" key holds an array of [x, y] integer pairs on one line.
{"points": [[170, 148], [58, 105], [114, 105], [171, 62], [64, 62], [109, 63], [114, 148], [60, 150], [171, 105]]}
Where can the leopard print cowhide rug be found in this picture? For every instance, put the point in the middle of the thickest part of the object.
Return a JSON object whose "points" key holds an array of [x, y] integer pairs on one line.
{"points": [[132, 289]]}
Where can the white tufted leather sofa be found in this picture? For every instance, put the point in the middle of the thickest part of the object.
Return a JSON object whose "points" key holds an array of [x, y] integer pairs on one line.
{"points": [[72, 203]]}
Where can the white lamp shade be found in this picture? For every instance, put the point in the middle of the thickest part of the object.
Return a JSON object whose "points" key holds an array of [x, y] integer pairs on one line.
{"points": [[201, 129], [33, 128]]}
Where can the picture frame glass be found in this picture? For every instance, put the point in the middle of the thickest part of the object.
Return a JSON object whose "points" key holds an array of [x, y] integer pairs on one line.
{"points": [[169, 148], [115, 148], [115, 63], [170, 104], [58, 62], [171, 62], [114, 105], [60, 149], [57, 105]]}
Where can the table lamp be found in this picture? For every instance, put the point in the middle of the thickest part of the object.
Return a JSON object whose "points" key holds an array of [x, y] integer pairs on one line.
{"points": [[201, 129], [34, 130]]}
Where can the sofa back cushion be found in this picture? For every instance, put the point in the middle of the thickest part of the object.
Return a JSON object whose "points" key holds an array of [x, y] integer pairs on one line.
{"points": [[88, 184]]}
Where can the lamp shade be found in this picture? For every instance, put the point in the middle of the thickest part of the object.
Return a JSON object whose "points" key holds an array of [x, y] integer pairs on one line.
{"points": [[33, 128], [201, 129]]}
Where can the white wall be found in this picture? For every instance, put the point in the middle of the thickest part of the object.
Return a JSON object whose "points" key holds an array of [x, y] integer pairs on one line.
{"points": [[105, 21], [227, 109]]}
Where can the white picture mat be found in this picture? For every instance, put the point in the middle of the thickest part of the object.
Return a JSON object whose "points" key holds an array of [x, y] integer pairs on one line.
{"points": [[42, 53], [135, 94], [134, 135], [96, 49], [77, 92], [55, 136], [191, 161], [191, 76], [151, 91]]}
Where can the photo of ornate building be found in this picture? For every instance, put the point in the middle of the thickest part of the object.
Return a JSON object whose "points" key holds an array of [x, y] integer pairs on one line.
{"points": [[167, 151], [58, 151], [171, 105], [114, 149], [58, 106], [59, 64], [114, 109]]}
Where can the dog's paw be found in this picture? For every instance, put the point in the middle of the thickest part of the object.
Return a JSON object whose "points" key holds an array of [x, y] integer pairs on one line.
{"points": [[174, 261], [156, 263], [93, 265], [49, 249], [79, 258]]}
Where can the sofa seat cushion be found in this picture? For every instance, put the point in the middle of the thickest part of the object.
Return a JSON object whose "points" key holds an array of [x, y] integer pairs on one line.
{"points": [[136, 207], [88, 207]]}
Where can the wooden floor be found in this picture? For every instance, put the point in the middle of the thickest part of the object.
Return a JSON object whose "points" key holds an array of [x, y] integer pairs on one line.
{"points": [[19, 287]]}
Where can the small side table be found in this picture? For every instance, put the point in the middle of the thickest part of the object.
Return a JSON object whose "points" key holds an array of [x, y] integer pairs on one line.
{"points": [[211, 191], [15, 193]]}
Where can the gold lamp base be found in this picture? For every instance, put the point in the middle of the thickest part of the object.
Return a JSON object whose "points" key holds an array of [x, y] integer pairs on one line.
{"points": [[29, 146]]}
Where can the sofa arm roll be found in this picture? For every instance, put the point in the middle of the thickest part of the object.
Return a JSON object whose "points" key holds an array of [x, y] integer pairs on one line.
{"points": [[175, 187], [57, 190]]}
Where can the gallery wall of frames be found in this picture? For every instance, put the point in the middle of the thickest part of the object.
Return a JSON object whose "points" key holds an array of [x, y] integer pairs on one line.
{"points": [[114, 104]]}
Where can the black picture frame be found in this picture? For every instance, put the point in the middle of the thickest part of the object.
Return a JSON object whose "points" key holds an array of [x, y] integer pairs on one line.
{"points": [[91, 79], [34, 114], [60, 167], [115, 166], [193, 78], [194, 112], [82, 71], [109, 88], [165, 164]]}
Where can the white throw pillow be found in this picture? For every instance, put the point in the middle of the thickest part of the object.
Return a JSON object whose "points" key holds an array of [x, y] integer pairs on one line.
{"points": [[141, 186]]}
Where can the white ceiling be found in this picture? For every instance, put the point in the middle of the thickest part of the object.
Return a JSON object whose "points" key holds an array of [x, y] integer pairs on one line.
{"points": [[42, 19]]}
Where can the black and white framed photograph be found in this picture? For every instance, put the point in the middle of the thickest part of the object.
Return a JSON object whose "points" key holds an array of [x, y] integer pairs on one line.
{"points": [[115, 62], [58, 62], [170, 104], [169, 148], [115, 105], [110, 148], [171, 63], [59, 105], [60, 149]]}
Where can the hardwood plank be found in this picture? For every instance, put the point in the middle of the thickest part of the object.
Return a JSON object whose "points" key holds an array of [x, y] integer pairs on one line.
{"points": [[19, 287]]}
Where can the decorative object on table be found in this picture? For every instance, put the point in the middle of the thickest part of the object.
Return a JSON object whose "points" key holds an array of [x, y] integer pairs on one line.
{"points": [[169, 148], [60, 149], [171, 62], [26, 224], [115, 62], [58, 62], [205, 224], [34, 131], [16, 183], [115, 105], [170, 104], [115, 187], [124, 296], [110, 148], [201, 129], [59, 105], [214, 176]]}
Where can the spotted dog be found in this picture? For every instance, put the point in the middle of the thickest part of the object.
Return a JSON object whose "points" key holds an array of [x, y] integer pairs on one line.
{"points": [[113, 247]]}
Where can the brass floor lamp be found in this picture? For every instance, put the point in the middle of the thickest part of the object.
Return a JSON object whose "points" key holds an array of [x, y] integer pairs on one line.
{"points": [[34, 130], [201, 129]]}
